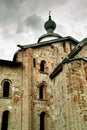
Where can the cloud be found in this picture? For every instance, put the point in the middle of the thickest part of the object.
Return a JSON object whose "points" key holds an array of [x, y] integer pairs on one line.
{"points": [[20, 28], [20, 16], [9, 15], [34, 21], [12, 10], [16, 11], [78, 10], [9, 9], [22, 21], [61, 29]]}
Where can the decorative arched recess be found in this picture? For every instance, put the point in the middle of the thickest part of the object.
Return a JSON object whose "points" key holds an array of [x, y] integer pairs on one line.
{"points": [[6, 88]]}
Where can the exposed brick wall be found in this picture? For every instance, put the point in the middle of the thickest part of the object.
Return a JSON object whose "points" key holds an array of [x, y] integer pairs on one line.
{"points": [[64, 98], [52, 55], [13, 102], [71, 97]]}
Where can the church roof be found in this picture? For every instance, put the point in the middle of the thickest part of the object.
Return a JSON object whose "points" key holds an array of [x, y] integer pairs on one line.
{"points": [[69, 58], [9, 63], [45, 43], [49, 26], [68, 38]]}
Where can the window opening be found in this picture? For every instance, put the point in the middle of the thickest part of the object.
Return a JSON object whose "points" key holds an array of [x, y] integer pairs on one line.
{"points": [[64, 47], [6, 86], [34, 62], [41, 92], [42, 66], [5, 120], [42, 120]]}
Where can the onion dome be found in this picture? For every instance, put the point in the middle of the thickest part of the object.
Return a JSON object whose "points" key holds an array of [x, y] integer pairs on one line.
{"points": [[50, 25]]}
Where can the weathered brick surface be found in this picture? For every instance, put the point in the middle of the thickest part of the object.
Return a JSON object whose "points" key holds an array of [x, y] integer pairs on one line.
{"points": [[13, 102], [65, 97], [71, 97]]}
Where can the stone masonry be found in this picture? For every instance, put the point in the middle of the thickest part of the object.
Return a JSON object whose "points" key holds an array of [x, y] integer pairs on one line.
{"points": [[38, 101]]}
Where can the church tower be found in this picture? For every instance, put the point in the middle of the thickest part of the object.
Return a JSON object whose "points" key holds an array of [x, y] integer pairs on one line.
{"points": [[39, 60], [43, 83]]}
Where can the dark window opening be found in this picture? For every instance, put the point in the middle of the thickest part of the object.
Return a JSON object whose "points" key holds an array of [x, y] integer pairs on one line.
{"points": [[41, 92], [64, 47], [5, 120], [34, 62], [42, 118], [6, 86], [42, 66]]}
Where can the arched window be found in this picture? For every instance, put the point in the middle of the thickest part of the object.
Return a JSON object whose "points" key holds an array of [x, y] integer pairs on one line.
{"points": [[5, 120], [6, 87], [42, 121], [41, 92], [42, 66]]}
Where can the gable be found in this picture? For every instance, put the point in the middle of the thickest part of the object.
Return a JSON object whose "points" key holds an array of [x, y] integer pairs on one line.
{"points": [[78, 53]]}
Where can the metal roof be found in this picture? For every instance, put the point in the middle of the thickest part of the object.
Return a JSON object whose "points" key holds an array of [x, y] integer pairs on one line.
{"points": [[9, 63]]}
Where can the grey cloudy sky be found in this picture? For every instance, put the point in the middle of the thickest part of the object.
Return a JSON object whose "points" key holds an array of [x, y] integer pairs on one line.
{"points": [[21, 21]]}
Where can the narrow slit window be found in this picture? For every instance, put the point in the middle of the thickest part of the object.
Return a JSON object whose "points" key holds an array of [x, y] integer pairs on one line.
{"points": [[6, 87], [64, 47], [42, 66], [42, 121], [34, 62], [5, 120], [41, 91]]}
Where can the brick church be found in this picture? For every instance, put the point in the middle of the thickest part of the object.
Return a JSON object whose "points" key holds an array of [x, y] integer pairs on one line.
{"points": [[44, 87]]}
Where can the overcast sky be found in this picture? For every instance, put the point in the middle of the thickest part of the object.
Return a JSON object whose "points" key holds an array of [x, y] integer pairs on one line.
{"points": [[22, 21]]}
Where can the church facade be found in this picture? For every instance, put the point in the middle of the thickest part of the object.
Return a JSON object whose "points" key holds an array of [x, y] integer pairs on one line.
{"points": [[45, 86]]}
